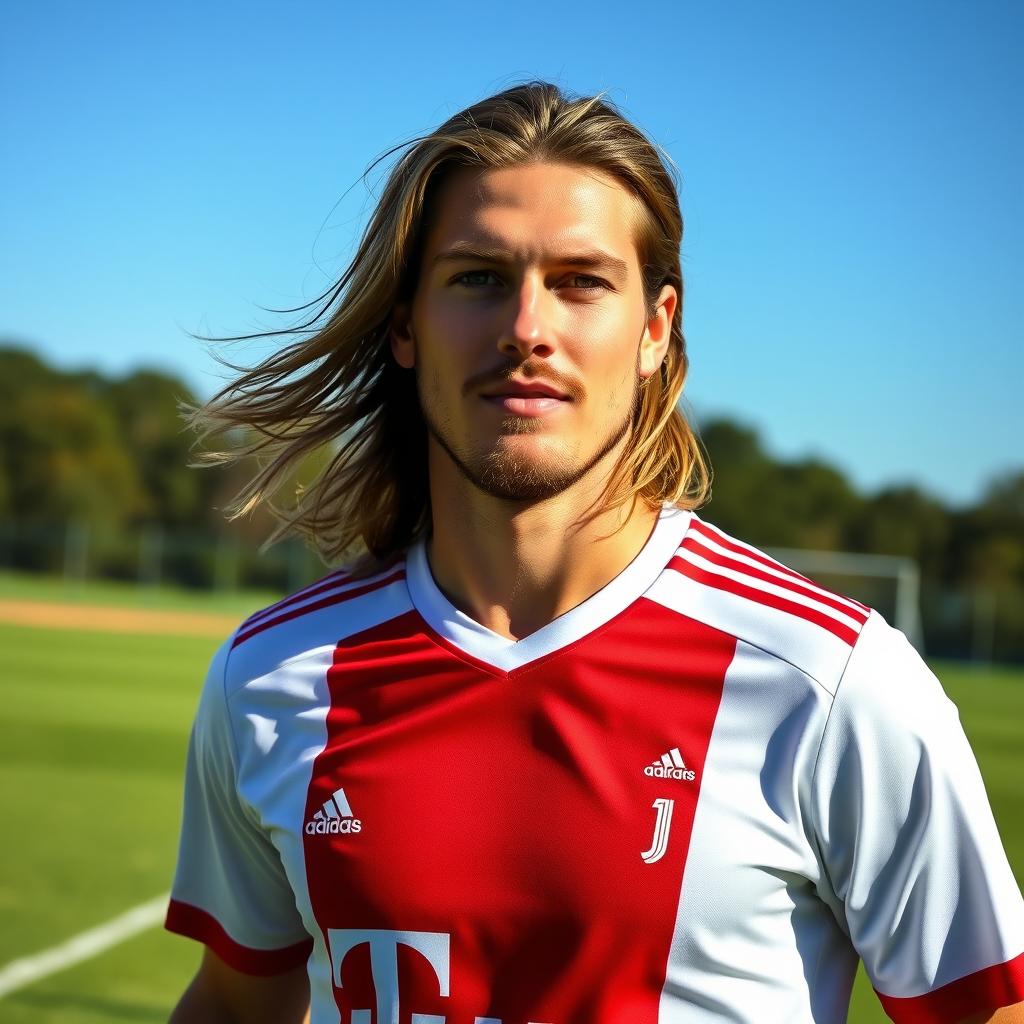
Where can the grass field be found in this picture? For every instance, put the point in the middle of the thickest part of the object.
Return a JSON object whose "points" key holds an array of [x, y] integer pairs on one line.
{"points": [[93, 729], [26, 587]]}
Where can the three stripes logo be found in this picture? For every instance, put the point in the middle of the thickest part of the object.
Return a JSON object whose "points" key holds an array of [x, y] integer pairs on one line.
{"points": [[670, 766], [334, 817]]}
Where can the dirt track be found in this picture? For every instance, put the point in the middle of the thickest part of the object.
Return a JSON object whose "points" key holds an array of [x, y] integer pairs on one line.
{"points": [[116, 620]]}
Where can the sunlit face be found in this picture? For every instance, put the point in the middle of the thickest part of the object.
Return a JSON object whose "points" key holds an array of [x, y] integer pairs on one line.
{"points": [[528, 329]]}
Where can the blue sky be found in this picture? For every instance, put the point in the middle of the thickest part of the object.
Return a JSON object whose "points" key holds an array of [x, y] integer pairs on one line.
{"points": [[851, 183]]}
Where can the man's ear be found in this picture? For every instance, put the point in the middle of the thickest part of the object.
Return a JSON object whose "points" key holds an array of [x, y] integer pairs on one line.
{"points": [[658, 332], [403, 341]]}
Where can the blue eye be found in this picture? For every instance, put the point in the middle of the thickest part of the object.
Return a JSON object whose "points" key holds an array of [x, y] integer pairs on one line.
{"points": [[479, 279], [464, 278]]}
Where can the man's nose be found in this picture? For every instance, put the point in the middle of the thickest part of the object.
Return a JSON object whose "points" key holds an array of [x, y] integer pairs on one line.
{"points": [[529, 326]]}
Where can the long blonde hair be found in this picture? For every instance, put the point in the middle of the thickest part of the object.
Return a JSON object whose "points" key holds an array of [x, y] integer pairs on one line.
{"points": [[338, 383]]}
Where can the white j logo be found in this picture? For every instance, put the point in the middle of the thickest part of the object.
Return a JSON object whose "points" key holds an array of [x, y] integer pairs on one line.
{"points": [[661, 826]]}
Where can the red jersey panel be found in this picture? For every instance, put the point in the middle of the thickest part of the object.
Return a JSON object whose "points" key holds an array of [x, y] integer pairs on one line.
{"points": [[512, 812]]}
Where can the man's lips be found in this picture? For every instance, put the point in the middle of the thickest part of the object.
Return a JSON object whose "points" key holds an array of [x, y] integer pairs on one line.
{"points": [[533, 389], [518, 405], [533, 399]]}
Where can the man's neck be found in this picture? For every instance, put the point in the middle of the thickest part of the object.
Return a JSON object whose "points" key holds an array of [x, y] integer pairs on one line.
{"points": [[515, 567]]}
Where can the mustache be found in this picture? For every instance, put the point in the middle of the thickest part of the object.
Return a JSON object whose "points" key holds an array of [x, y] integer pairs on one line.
{"points": [[531, 371]]}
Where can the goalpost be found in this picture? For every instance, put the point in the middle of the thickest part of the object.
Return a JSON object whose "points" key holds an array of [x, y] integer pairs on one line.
{"points": [[891, 584]]}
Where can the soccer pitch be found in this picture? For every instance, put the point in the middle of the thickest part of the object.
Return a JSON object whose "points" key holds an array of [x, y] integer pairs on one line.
{"points": [[94, 726]]}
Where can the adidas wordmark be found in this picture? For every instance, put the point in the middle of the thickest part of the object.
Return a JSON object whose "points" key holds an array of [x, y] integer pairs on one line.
{"points": [[670, 766], [334, 817]]}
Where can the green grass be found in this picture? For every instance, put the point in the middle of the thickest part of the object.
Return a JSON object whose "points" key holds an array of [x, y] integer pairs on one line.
{"points": [[92, 739], [35, 587], [93, 731]]}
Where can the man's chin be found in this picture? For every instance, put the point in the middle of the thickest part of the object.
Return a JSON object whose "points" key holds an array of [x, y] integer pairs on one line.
{"points": [[519, 476], [516, 487], [522, 468]]}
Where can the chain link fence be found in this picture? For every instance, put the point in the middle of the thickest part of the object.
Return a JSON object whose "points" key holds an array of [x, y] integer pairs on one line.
{"points": [[154, 555]]}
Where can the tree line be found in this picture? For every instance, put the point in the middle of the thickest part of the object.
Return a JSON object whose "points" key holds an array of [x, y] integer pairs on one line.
{"points": [[112, 454]]}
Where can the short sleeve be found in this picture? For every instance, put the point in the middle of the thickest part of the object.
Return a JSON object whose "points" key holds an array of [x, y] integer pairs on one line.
{"points": [[915, 867], [230, 891]]}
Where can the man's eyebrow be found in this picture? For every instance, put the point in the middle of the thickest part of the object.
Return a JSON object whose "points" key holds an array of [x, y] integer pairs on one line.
{"points": [[592, 259]]}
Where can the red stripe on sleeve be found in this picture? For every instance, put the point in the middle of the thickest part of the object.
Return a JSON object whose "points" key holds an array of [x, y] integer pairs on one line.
{"points": [[335, 579], [697, 546], [731, 586], [315, 606], [706, 530], [194, 923], [709, 532], [984, 991]]}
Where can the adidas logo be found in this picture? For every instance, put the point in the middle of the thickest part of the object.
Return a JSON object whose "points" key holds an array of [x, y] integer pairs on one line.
{"points": [[334, 817], [670, 766]]}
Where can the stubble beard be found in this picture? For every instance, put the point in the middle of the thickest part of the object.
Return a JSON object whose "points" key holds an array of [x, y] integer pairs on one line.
{"points": [[503, 473]]}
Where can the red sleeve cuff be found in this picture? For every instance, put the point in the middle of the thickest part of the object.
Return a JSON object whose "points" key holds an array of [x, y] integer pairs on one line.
{"points": [[985, 990], [194, 923]]}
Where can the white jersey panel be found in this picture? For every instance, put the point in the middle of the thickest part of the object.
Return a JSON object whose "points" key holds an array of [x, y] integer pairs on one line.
{"points": [[281, 718], [752, 940], [812, 649], [911, 847], [227, 866]]}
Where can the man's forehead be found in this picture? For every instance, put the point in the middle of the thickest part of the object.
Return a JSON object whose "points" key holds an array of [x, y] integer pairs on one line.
{"points": [[504, 184], [572, 207]]}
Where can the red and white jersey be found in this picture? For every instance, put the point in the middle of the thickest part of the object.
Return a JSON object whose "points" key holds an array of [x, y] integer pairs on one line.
{"points": [[698, 796]]}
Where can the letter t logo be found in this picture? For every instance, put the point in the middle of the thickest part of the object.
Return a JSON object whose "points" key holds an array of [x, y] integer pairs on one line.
{"points": [[433, 946]]}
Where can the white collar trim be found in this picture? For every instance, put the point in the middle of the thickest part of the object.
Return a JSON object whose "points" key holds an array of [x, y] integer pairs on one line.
{"points": [[503, 653]]}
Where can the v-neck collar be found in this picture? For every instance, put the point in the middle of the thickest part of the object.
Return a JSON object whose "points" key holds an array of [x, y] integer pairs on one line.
{"points": [[468, 635]]}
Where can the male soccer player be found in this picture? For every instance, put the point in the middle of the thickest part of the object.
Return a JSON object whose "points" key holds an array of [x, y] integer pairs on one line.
{"points": [[555, 749]]}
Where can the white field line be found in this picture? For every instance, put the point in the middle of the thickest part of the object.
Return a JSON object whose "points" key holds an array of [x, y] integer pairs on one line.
{"points": [[19, 973]]}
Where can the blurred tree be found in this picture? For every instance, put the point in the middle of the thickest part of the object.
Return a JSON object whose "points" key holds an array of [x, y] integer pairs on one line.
{"points": [[22, 370], [1003, 502], [64, 459], [812, 505], [145, 405], [740, 469], [987, 547], [768, 503], [5, 496], [904, 521]]}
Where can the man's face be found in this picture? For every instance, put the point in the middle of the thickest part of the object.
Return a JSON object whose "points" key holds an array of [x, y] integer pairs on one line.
{"points": [[528, 329]]}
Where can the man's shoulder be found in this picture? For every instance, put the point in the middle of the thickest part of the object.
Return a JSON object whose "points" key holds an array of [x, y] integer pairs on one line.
{"points": [[338, 605], [724, 582]]}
